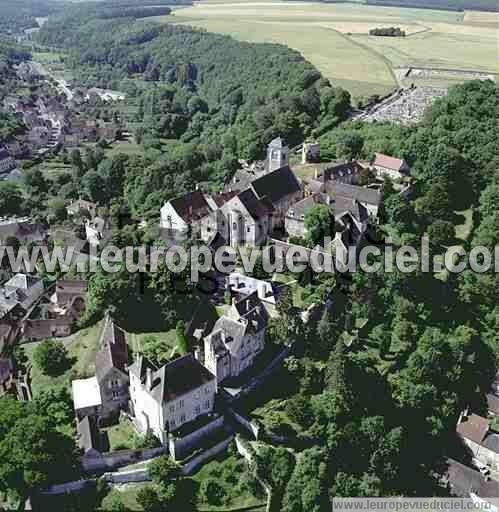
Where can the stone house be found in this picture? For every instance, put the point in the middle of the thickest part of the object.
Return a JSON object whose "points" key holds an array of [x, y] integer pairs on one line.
{"points": [[111, 368], [481, 441], [243, 220], [23, 229], [184, 213], [165, 399], [41, 329], [23, 288], [362, 202], [281, 189], [241, 286], [70, 294], [385, 165], [340, 172], [294, 221], [237, 338]]}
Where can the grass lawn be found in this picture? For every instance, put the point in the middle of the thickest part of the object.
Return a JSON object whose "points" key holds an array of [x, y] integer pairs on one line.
{"points": [[273, 416], [53, 169], [464, 230], [82, 348], [168, 338], [127, 494], [121, 436], [125, 147]]}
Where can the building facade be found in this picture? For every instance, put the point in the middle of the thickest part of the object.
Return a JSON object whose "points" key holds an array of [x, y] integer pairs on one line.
{"points": [[165, 399]]}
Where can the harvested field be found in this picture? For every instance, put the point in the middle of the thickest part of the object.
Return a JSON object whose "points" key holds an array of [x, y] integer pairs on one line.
{"points": [[334, 37], [481, 17]]}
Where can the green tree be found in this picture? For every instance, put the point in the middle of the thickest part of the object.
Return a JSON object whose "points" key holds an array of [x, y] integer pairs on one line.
{"points": [[319, 224], [163, 469], [56, 404], [440, 233], [212, 492], [182, 341], [51, 357], [34, 453], [11, 199]]}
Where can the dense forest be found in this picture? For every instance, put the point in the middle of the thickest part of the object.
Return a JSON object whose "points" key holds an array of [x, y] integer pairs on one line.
{"points": [[17, 15], [217, 109], [10, 54]]}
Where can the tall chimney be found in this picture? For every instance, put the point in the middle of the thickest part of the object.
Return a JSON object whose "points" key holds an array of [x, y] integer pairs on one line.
{"points": [[148, 379]]}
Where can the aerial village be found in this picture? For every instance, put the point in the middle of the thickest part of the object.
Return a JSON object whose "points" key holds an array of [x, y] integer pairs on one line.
{"points": [[191, 406]]}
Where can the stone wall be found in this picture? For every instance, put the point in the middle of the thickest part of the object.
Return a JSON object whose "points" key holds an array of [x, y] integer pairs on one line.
{"points": [[179, 447], [193, 464], [250, 427], [114, 460]]}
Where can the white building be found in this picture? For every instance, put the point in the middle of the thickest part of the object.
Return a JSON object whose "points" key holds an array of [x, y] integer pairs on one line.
{"points": [[184, 213], [242, 285], [96, 230], [163, 400], [86, 397], [23, 288], [243, 220], [236, 339], [385, 165], [277, 155]]}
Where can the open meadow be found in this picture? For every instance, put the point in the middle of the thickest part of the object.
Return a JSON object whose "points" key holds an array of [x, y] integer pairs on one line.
{"points": [[335, 37]]}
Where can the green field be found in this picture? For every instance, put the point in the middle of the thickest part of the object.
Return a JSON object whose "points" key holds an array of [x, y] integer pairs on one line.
{"points": [[334, 37], [82, 348]]}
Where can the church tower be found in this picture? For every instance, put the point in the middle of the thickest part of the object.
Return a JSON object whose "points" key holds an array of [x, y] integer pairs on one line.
{"points": [[277, 154]]}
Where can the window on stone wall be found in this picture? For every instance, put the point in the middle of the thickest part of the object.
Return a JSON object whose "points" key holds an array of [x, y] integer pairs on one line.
{"points": [[197, 410]]}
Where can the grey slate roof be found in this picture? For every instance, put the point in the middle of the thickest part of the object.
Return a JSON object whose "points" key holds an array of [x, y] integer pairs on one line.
{"points": [[299, 209], [5, 369], [278, 143], [174, 379], [88, 434], [493, 403], [342, 205], [114, 351], [191, 206], [464, 480], [252, 318], [256, 208], [362, 194], [491, 442], [276, 185]]}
